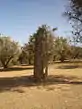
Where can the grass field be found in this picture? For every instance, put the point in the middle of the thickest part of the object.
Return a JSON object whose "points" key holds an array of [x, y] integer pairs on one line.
{"points": [[62, 90]]}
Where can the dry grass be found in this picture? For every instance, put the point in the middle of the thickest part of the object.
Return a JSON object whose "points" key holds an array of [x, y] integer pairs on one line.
{"points": [[62, 90]]}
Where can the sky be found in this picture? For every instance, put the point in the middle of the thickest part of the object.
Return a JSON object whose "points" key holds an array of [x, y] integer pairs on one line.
{"points": [[21, 18]]}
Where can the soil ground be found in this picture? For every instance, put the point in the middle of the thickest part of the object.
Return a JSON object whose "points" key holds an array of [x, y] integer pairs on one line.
{"points": [[62, 90]]}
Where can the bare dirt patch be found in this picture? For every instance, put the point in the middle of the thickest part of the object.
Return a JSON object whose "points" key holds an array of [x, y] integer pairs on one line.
{"points": [[62, 90]]}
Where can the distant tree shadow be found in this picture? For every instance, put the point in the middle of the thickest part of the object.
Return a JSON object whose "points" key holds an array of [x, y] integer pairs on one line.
{"points": [[7, 84], [16, 68], [61, 79], [69, 66], [68, 61]]}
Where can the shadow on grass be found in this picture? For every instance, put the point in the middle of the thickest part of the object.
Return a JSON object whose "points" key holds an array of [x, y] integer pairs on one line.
{"points": [[16, 69], [7, 84]]}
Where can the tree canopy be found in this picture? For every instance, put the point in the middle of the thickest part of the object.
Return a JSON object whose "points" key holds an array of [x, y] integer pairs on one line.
{"points": [[74, 13], [9, 50], [43, 48]]}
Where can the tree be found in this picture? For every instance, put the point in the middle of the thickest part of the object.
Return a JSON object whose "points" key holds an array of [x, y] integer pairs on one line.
{"points": [[43, 47], [30, 48], [27, 55], [23, 57], [74, 13], [9, 50], [76, 52], [62, 49]]}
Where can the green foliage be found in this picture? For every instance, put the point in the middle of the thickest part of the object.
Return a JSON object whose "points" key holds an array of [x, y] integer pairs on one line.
{"points": [[50, 48], [47, 37], [9, 50], [43, 51], [23, 57], [27, 54], [74, 14], [61, 49], [31, 48], [76, 52]]}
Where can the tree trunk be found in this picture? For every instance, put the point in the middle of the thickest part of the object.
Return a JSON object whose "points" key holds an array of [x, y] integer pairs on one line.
{"points": [[5, 63], [38, 67], [41, 56], [5, 66], [29, 61], [62, 59]]}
